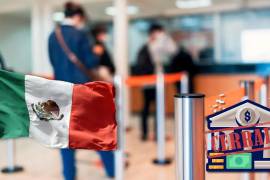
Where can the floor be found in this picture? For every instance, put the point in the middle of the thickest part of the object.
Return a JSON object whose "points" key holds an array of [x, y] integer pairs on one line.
{"points": [[44, 164]]}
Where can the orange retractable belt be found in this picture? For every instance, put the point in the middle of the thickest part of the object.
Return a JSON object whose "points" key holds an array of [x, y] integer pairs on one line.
{"points": [[137, 81]]}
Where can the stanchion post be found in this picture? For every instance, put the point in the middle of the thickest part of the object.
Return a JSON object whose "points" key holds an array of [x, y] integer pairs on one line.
{"points": [[119, 153], [160, 110], [263, 101], [267, 82], [184, 84], [189, 135], [263, 94], [11, 167], [249, 86]]}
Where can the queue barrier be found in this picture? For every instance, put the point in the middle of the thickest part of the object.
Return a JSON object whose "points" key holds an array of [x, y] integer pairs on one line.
{"points": [[258, 83], [144, 80], [261, 90], [159, 80]]}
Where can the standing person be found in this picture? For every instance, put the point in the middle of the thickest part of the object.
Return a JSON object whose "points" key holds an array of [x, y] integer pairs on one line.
{"points": [[99, 33], [183, 61], [68, 47], [149, 60]]}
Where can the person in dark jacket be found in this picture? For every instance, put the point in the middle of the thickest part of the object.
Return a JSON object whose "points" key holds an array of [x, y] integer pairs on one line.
{"points": [[183, 61], [150, 60], [65, 70], [99, 33], [146, 66]]}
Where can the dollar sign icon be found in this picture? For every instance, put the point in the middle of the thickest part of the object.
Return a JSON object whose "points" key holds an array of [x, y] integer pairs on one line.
{"points": [[247, 116]]}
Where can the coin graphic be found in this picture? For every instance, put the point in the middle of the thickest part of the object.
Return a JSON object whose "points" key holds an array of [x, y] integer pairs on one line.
{"points": [[247, 116]]}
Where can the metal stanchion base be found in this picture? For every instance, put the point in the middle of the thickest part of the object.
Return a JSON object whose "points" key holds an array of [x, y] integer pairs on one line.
{"points": [[166, 161], [15, 169]]}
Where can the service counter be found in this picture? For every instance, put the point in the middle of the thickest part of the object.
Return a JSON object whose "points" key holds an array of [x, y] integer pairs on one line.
{"points": [[210, 80]]}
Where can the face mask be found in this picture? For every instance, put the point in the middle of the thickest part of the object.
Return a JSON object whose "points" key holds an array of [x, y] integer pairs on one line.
{"points": [[159, 42], [108, 40], [163, 47], [101, 37], [81, 26]]}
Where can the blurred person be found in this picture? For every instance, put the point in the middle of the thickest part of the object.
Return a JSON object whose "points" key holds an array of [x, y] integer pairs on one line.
{"points": [[99, 33], [150, 60], [67, 44], [106, 66], [206, 55], [183, 61]]}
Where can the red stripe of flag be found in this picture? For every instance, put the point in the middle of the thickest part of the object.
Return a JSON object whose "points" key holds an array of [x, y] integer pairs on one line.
{"points": [[92, 123]]}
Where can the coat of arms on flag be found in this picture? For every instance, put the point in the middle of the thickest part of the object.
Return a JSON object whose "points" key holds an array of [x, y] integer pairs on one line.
{"points": [[48, 110]]}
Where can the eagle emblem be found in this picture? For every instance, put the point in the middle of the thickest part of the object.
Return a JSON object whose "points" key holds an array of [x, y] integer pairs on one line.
{"points": [[47, 111]]}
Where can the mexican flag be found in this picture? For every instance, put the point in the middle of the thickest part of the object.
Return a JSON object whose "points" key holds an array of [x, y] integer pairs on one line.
{"points": [[57, 114]]}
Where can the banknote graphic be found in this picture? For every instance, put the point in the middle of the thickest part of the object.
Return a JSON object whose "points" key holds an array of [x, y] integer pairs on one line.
{"points": [[239, 161]]}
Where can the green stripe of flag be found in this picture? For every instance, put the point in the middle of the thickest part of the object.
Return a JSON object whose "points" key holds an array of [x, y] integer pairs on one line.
{"points": [[14, 117]]}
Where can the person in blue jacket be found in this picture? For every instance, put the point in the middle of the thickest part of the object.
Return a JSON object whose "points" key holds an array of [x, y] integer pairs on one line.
{"points": [[64, 70]]}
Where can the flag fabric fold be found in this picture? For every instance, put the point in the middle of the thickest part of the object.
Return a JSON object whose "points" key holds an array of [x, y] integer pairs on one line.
{"points": [[57, 114]]}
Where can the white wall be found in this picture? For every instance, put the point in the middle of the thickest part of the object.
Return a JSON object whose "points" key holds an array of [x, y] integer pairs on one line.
{"points": [[15, 42], [232, 26]]}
